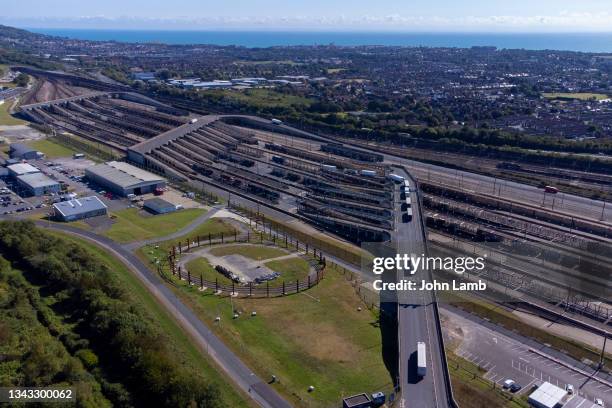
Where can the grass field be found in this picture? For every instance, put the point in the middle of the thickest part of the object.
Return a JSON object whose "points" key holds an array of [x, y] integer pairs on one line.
{"points": [[131, 226], [6, 118], [261, 97], [213, 226], [51, 149], [178, 338], [471, 390], [316, 338], [201, 266], [256, 252], [291, 269], [583, 96]]}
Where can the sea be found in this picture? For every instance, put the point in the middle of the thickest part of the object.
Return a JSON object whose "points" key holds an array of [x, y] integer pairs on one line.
{"points": [[586, 42]]}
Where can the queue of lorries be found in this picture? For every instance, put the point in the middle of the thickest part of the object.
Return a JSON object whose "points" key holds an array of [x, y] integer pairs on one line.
{"points": [[406, 206]]}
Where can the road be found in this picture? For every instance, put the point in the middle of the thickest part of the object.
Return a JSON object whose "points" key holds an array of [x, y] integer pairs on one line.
{"points": [[417, 319], [246, 380], [507, 355], [188, 229]]}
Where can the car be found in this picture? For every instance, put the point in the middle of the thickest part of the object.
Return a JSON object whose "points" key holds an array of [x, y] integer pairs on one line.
{"points": [[599, 402], [515, 388], [569, 388], [508, 383]]}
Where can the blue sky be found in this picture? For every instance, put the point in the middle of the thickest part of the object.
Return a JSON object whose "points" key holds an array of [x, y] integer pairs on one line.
{"points": [[398, 15]]}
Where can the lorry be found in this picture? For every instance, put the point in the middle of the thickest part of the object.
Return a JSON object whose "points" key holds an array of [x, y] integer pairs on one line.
{"points": [[395, 178], [421, 359]]}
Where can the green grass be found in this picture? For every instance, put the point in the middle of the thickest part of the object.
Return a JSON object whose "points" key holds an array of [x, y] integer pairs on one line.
{"points": [[266, 98], [291, 269], [213, 226], [131, 226], [51, 148], [583, 96], [316, 338], [471, 390], [256, 252], [188, 352], [201, 266], [5, 116]]}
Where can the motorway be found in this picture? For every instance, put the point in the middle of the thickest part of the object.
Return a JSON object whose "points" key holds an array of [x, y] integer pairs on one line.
{"points": [[417, 319], [243, 377]]}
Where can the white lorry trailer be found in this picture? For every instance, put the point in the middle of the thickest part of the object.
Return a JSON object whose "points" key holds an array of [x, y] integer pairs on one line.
{"points": [[421, 359]]}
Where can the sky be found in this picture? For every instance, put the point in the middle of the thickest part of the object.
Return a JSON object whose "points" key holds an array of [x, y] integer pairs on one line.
{"points": [[306, 15]]}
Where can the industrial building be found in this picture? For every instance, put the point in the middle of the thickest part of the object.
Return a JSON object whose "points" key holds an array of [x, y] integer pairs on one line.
{"points": [[37, 184], [159, 206], [547, 396], [79, 208], [20, 169], [124, 179], [23, 152]]}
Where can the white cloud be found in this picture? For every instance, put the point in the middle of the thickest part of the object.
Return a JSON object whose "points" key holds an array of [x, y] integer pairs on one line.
{"points": [[564, 21]]}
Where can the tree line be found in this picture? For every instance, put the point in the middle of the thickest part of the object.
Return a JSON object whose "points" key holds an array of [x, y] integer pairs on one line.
{"points": [[133, 361]]}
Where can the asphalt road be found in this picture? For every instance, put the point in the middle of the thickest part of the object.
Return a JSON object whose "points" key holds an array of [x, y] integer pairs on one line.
{"points": [[417, 319], [248, 381], [507, 355]]}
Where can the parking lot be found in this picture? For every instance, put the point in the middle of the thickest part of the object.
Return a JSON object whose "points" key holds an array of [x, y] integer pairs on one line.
{"points": [[504, 357]]}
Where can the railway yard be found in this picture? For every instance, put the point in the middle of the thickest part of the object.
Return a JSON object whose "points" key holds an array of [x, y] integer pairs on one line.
{"points": [[343, 188], [551, 247]]}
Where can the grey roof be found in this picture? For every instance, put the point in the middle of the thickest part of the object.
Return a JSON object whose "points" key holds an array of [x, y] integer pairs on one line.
{"points": [[157, 204], [79, 206], [36, 180], [22, 168], [124, 175]]}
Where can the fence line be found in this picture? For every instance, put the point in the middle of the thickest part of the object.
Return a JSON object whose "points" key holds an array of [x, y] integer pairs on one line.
{"points": [[271, 237]]}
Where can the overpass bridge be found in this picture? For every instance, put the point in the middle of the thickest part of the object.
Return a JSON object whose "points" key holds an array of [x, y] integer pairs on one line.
{"points": [[417, 315]]}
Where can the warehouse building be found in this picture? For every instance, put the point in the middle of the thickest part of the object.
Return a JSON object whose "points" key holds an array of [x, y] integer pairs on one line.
{"points": [[20, 169], [79, 208], [37, 184], [124, 179], [158, 206], [23, 152]]}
